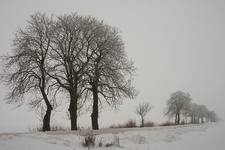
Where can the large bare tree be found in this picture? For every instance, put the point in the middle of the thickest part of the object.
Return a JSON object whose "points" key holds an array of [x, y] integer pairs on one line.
{"points": [[27, 66], [110, 72], [79, 54], [72, 50]]}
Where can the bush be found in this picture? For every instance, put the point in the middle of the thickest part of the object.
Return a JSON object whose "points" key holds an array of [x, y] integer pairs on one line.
{"points": [[89, 140], [100, 144], [128, 124], [167, 124], [118, 126], [149, 124], [183, 123], [114, 126], [53, 128]]}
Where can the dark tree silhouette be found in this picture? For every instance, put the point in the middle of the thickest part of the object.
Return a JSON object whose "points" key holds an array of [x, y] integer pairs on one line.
{"points": [[73, 49], [110, 71], [26, 67], [78, 54]]}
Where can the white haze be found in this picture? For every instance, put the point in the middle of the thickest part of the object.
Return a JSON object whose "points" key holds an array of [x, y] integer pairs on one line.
{"points": [[176, 45]]}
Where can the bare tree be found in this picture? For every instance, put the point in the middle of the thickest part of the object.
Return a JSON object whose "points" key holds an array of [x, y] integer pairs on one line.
{"points": [[142, 110], [110, 71], [202, 112], [89, 58], [26, 67], [199, 113], [212, 117], [193, 113], [178, 102], [76, 53], [73, 48]]}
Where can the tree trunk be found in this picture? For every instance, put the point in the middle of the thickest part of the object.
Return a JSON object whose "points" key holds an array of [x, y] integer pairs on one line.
{"points": [[198, 120], [192, 118], [142, 121], [46, 120], [94, 115], [202, 119], [73, 110], [178, 118]]}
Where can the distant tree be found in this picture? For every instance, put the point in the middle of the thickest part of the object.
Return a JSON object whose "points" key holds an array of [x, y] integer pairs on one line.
{"points": [[27, 66], [202, 112], [193, 113], [142, 110], [178, 103], [211, 116]]}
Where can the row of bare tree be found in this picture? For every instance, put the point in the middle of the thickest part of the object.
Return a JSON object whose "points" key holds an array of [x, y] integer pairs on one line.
{"points": [[200, 114], [70, 54], [180, 104]]}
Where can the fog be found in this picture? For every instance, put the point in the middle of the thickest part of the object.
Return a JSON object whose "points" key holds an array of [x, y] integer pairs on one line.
{"points": [[176, 45]]}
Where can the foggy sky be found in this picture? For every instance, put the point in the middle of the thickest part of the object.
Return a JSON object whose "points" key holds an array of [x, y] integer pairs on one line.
{"points": [[175, 44]]}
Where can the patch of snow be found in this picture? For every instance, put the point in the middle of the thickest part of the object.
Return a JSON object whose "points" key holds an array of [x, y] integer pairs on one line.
{"points": [[186, 137]]}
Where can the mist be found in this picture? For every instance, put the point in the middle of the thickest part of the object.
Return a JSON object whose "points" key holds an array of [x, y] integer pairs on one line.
{"points": [[176, 45]]}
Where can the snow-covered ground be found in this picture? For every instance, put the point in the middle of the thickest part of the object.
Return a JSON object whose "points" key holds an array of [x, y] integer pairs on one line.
{"points": [[186, 137]]}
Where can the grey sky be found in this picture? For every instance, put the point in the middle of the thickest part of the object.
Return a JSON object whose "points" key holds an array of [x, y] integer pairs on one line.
{"points": [[176, 45]]}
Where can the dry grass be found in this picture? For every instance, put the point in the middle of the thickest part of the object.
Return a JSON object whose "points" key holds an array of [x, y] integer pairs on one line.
{"points": [[167, 124], [149, 124], [53, 128], [128, 124]]}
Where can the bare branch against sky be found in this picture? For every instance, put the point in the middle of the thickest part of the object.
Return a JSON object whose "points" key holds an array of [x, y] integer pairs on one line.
{"points": [[176, 45]]}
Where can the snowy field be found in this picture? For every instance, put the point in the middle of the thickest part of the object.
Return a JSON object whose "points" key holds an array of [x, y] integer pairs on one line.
{"points": [[186, 137]]}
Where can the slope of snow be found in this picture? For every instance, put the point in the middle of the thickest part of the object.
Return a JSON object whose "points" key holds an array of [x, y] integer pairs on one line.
{"points": [[187, 137]]}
